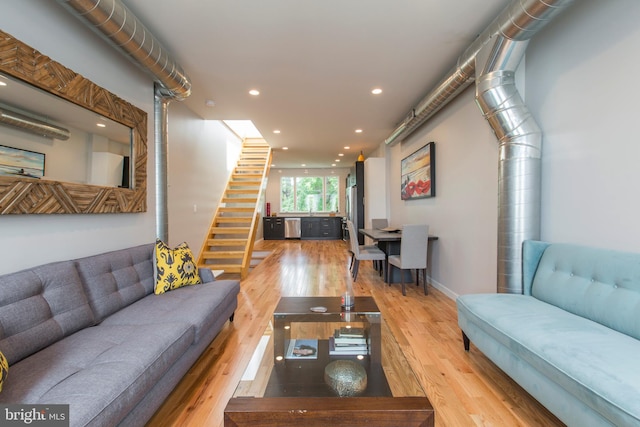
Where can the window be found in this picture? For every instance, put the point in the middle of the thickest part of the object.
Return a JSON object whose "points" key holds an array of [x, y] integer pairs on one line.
{"points": [[309, 194]]}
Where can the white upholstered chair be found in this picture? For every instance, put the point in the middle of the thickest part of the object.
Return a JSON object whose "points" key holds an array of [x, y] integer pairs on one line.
{"points": [[379, 223], [414, 245], [362, 252]]}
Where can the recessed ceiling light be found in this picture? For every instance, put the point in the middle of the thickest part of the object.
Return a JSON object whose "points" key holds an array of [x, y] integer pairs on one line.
{"points": [[346, 147], [336, 160], [376, 91], [358, 130], [254, 92], [285, 148], [333, 164], [209, 103], [303, 165], [101, 125], [276, 131], [340, 154], [2, 83]]}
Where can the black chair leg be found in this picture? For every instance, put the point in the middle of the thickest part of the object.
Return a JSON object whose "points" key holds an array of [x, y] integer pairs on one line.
{"points": [[424, 281], [355, 269], [404, 291], [389, 273]]}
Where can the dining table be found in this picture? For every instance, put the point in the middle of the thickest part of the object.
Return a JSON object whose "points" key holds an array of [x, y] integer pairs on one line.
{"points": [[388, 240]]}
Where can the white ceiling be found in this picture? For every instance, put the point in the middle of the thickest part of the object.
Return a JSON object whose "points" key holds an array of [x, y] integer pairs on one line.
{"points": [[315, 64]]}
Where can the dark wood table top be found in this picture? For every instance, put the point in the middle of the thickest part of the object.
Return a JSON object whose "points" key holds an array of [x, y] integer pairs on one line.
{"points": [[302, 305]]}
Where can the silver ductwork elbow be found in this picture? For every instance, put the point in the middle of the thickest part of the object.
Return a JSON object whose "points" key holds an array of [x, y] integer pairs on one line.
{"points": [[519, 172], [520, 20], [113, 21], [519, 136]]}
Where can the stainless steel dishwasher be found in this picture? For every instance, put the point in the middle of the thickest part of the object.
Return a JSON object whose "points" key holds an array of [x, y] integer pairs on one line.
{"points": [[292, 228]]}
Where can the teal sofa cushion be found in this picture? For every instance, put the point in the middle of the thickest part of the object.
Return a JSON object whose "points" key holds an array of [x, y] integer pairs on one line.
{"points": [[594, 363], [597, 284]]}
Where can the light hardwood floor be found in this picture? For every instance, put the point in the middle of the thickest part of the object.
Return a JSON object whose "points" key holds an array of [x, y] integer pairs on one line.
{"points": [[466, 389]]}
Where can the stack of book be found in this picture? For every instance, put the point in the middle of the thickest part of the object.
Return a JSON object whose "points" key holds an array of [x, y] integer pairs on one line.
{"points": [[348, 341]]}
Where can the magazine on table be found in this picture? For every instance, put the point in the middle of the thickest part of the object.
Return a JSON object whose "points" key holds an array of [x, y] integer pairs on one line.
{"points": [[341, 339], [344, 350], [350, 332], [302, 349]]}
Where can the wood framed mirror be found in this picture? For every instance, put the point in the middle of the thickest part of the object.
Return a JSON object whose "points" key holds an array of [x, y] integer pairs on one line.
{"points": [[24, 193]]}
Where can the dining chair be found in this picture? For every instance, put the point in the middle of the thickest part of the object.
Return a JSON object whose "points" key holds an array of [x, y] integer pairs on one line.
{"points": [[414, 245], [362, 252], [351, 243], [377, 224]]}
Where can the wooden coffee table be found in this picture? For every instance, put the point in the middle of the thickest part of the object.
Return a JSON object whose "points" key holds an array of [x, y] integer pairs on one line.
{"points": [[281, 389]]}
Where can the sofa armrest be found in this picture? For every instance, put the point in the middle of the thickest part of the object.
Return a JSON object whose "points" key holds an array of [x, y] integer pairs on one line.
{"points": [[532, 251], [206, 275]]}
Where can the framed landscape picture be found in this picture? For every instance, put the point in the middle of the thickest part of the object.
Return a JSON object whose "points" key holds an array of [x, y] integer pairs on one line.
{"points": [[418, 173], [17, 162]]}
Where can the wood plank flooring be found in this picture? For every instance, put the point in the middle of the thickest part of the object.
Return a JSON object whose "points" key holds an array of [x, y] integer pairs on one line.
{"points": [[466, 389]]}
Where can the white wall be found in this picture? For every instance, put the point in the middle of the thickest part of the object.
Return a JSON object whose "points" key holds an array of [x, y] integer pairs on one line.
{"points": [[375, 189], [28, 240], [463, 212], [588, 105], [202, 154], [579, 86]]}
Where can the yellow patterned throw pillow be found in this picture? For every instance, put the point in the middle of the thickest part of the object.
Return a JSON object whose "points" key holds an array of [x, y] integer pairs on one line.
{"points": [[174, 267], [4, 369]]}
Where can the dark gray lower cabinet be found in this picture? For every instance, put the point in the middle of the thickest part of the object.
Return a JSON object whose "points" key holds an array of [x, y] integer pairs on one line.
{"points": [[311, 228], [321, 228], [273, 228]]}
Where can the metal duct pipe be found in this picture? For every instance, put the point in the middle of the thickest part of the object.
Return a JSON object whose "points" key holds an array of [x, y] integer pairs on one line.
{"points": [[161, 116], [120, 27], [519, 167], [31, 125], [519, 135], [520, 20]]}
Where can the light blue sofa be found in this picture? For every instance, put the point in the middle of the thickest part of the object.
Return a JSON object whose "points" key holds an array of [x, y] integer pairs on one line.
{"points": [[91, 333], [572, 340]]}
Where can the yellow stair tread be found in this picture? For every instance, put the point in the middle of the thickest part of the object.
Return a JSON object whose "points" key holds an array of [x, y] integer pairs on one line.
{"points": [[242, 191], [226, 242], [239, 200], [223, 254], [233, 209], [244, 183], [229, 230], [228, 268], [233, 219]]}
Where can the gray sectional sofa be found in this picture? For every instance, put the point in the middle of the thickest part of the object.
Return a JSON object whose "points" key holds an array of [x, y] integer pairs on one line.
{"points": [[91, 333], [572, 340]]}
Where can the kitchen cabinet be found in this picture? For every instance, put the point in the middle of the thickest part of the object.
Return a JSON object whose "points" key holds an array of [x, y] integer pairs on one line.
{"points": [[273, 228], [321, 228]]}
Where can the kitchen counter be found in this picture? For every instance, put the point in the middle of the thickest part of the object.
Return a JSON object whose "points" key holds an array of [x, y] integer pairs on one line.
{"points": [[314, 227]]}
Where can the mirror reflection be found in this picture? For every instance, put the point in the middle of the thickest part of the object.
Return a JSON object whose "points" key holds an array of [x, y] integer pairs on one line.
{"points": [[46, 137]]}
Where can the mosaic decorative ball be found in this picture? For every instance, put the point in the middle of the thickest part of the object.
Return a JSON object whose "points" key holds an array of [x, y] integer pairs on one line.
{"points": [[345, 377]]}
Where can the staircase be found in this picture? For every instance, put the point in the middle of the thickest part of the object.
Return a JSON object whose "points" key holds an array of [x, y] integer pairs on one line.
{"points": [[229, 242]]}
